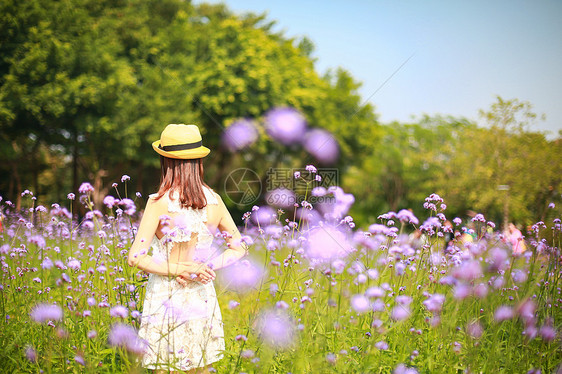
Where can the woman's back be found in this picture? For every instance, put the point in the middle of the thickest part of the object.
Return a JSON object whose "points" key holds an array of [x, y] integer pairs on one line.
{"points": [[184, 231]]}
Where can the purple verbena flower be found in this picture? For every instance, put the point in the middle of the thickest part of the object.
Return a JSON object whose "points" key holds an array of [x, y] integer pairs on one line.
{"points": [[404, 300], [46, 312], [243, 275], [479, 218], [31, 354], [434, 303], [375, 292], [239, 135], [74, 264], [311, 169], [331, 358], [547, 332], [405, 215], [318, 191], [276, 328], [474, 329], [377, 228], [400, 312], [85, 188], [281, 197], [325, 243], [503, 313], [125, 336], [461, 291], [430, 224], [468, 270], [79, 359], [527, 311], [285, 125], [381, 345], [109, 201], [322, 145], [119, 311], [38, 240], [403, 369], [263, 216], [360, 303]]}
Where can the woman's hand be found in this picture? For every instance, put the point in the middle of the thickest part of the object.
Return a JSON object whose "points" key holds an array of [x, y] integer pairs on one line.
{"points": [[195, 271]]}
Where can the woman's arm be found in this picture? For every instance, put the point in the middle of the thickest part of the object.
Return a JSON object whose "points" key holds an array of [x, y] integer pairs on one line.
{"points": [[236, 248]]}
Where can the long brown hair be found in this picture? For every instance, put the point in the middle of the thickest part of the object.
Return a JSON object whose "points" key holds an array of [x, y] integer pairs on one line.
{"points": [[184, 176]]}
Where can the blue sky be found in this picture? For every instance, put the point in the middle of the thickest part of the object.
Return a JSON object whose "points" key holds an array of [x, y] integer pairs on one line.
{"points": [[464, 52]]}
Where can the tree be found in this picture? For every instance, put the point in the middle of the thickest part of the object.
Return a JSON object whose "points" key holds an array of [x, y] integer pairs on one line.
{"points": [[404, 165], [97, 81], [61, 73], [505, 163]]}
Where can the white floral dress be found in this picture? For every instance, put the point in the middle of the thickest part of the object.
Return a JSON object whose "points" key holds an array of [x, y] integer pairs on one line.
{"points": [[182, 324]]}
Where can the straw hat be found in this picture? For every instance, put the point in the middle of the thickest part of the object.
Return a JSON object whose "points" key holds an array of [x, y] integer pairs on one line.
{"points": [[181, 141]]}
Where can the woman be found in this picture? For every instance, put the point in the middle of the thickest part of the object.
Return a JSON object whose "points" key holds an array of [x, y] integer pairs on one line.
{"points": [[181, 319], [516, 239]]}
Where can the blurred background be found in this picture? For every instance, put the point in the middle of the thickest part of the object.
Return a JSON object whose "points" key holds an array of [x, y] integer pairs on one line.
{"points": [[87, 86]]}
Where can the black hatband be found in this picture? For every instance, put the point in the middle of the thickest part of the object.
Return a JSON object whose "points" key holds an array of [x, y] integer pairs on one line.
{"points": [[181, 147]]}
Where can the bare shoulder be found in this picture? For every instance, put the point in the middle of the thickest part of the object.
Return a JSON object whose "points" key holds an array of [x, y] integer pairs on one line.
{"points": [[152, 197], [219, 198], [154, 202]]}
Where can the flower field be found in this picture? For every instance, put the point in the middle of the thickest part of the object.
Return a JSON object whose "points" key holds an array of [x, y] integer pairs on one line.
{"points": [[316, 294]]}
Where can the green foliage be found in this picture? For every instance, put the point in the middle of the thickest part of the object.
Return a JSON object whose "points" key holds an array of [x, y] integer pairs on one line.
{"points": [[100, 80], [463, 163], [86, 86], [505, 153], [405, 165]]}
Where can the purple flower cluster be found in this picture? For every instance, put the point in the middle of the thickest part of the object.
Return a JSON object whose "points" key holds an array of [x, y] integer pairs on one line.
{"points": [[276, 328], [286, 125], [128, 206], [434, 303], [125, 336], [85, 188], [46, 312], [360, 287], [240, 135], [242, 276], [325, 243], [322, 146]]}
